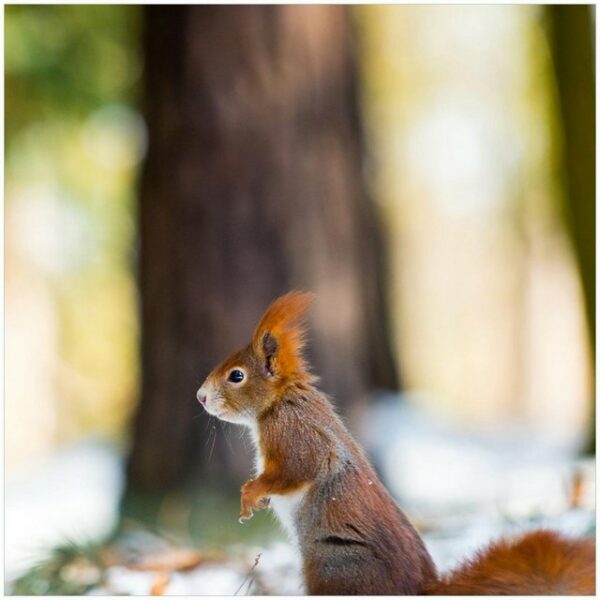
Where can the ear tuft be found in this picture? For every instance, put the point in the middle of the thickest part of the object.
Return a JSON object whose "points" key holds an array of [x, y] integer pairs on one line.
{"points": [[279, 336]]}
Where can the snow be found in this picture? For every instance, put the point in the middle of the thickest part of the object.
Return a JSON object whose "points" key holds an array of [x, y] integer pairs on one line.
{"points": [[277, 571], [433, 468], [461, 491], [73, 495]]}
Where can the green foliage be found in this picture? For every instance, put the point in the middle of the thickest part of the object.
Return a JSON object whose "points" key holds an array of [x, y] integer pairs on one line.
{"points": [[71, 569], [197, 516], [68, 60]]}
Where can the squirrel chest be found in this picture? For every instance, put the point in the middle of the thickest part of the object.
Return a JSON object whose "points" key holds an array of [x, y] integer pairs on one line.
{"points": [[285, 506]]}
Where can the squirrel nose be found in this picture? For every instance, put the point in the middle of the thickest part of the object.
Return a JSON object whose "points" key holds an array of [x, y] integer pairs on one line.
{"points": [[201, 397]]}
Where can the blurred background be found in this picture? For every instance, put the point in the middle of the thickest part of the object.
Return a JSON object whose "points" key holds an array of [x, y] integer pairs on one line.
{"points": [[427, 171]]}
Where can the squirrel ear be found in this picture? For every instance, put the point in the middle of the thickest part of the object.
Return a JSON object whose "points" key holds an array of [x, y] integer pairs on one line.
{"points": [[279, 336], [269, 349]]}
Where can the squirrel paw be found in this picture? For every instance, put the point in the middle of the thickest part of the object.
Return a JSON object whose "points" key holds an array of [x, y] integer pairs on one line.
{"points": [[245, 516], [264, 502], [247, 513]]}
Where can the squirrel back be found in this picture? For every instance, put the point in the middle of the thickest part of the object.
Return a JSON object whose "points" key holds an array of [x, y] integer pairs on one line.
{"points": [[537, 563]]}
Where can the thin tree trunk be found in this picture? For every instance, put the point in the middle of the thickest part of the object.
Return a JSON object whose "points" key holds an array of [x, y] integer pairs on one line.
{"points": [[571, 40], [252, 187]]}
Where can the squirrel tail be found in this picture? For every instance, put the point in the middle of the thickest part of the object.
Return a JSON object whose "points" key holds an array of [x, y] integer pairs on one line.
{"points": [[538, 563]]}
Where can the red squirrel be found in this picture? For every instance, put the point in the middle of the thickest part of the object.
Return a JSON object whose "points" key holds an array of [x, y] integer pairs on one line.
{"points": [[353, 537]]}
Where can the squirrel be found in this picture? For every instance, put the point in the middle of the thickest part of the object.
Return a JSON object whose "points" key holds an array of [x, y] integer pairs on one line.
{"points": [[353, 538]]}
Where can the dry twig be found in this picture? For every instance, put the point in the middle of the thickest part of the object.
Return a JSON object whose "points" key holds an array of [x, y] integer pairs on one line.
{"points": [[249, 573]]}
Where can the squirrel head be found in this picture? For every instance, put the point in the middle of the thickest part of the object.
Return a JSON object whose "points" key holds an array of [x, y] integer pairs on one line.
{"points": [[252, 379]]}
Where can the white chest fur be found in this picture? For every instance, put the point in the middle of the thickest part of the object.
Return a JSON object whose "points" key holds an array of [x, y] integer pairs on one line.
{"points": [[284, 506], [259, 461]]}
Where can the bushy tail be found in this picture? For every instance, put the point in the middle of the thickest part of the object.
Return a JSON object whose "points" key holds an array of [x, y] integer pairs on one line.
{"points": [[539, 563]]}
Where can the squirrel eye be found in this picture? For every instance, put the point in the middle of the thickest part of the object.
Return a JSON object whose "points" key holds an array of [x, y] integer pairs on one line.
{"points": [[236, 376]]}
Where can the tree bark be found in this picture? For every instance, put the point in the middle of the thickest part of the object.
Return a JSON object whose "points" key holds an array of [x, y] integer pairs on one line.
{"points": [[252, 186], [571, 41]]}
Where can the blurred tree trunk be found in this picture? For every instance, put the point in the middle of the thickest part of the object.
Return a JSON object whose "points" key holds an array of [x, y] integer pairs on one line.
{"points": [[252, 186], [571, 35]]}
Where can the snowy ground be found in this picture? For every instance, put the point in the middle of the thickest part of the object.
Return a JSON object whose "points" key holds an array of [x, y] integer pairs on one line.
{"points": [[73, 495], [460, 492]]}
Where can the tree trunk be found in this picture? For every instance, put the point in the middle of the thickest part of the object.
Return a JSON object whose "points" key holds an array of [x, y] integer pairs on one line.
{"points": [[571, 35], [252, 186]]}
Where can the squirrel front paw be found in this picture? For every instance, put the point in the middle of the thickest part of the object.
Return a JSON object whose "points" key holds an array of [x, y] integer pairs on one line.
{"points": [[251, 501], [264, 502], [245, 515]]}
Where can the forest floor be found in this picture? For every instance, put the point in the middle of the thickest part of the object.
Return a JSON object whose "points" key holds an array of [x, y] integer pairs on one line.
{"points": [[464, 493], [139, 562]]}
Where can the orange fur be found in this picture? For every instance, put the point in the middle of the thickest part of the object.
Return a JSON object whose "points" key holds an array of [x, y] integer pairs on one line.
{"points": [[538, 563], [273, 480], [353, 537], [284, 322]]}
